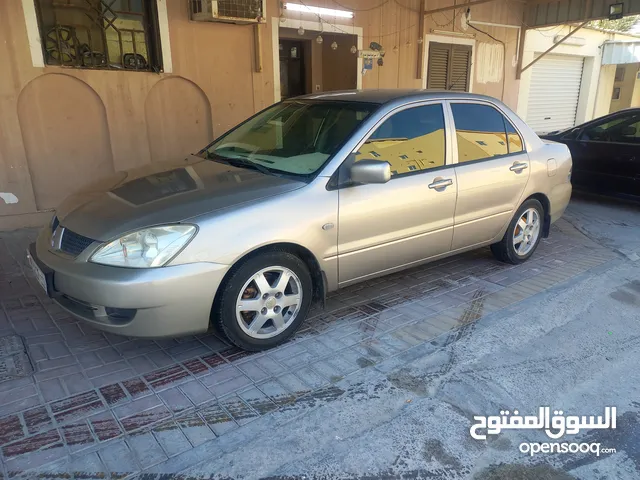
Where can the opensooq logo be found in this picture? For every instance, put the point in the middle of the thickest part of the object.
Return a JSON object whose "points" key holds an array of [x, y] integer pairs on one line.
{"points": [[555, 426]]}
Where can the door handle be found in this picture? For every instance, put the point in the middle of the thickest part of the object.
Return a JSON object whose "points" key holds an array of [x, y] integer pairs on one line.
{"points": [[441, 183], [518, 167]]}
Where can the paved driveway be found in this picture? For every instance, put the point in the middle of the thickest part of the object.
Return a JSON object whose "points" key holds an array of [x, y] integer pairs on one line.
{"points": [[78, 402]]}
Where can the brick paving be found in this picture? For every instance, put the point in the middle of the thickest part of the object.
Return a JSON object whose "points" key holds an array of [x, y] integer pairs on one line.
{"points": [[612, 223], [99, 405]]}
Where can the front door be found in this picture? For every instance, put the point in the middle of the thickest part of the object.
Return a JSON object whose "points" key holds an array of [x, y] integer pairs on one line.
{"points": [[410, 218], [492, 172], [606, 154]]}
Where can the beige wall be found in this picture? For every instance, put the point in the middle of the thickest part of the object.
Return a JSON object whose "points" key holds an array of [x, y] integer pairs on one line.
{"points": [[635, 98], [605, 90], [61, 128], [399, 71]]}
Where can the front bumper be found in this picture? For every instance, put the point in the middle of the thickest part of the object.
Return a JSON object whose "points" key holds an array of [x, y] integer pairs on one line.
{"points": [[158, 302]]}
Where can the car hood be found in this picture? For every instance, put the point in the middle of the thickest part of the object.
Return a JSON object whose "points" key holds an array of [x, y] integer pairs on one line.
{"points": [[164, 193]]}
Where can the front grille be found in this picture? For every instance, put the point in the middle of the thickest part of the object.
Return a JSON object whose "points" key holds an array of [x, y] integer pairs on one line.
{"points": [[74, 243], [54, 224]]}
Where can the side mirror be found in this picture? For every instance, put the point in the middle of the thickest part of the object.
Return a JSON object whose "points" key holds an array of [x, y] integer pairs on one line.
{"points": [[370, 171]]}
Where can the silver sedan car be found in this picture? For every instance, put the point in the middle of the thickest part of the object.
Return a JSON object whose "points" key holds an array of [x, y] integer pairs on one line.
{"points": [[310, 195]]}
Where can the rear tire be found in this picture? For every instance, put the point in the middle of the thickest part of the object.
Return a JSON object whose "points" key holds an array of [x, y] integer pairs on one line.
{"points": [[523, 234], [264, 300]]}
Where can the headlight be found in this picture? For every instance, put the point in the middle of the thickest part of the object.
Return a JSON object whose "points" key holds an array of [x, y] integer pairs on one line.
{"points": [[148, 248]]}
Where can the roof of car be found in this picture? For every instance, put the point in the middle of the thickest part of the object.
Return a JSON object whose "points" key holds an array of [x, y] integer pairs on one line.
{"points": [[387, 95]]}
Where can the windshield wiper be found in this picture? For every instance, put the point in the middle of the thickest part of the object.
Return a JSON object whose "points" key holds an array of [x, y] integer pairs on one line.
{"points": [[239, 162], [242, 163]]}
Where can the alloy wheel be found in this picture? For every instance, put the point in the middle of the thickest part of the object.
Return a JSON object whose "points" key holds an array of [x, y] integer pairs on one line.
{"points": [[269, 302], [526, 231]]}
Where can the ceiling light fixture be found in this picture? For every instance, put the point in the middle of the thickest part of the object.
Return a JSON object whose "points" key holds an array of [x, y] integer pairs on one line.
{"points": [[296, 7], [616, 11]]}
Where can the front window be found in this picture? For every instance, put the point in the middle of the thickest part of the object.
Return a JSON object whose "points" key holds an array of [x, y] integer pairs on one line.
{"points": [[410, 140], [623, 128], [294, 137]]}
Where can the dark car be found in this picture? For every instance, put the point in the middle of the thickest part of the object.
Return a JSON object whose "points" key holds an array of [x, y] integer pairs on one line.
{"points": [[606, 153]]}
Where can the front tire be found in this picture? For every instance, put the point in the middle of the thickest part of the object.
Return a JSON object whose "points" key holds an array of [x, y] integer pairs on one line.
{"points": [[264, 300], [523, 234]]}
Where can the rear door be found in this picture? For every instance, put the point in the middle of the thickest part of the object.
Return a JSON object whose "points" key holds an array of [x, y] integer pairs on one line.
{"points": [[492, 171]]}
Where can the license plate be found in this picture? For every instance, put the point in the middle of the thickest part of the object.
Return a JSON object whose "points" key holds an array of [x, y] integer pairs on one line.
{"points": [[38, 273]]}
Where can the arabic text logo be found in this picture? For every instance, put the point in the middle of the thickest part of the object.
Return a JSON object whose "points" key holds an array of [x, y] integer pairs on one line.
{"points": [[555, 426]]}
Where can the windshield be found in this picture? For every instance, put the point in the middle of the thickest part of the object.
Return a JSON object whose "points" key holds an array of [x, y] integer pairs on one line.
{"points": [[294, 137]]}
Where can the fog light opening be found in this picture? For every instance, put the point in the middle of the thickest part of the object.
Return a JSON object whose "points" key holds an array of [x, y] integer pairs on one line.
{"points": [[120, 314]]}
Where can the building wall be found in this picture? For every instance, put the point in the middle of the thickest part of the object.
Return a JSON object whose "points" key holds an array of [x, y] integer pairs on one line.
{"points": [[392, 25], [597, 79], [61, 128], [604, 91], [626, 88], [635, 97]]}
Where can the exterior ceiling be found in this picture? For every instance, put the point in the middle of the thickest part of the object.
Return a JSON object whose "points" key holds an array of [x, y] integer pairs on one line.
{"points": [[542, 13]]}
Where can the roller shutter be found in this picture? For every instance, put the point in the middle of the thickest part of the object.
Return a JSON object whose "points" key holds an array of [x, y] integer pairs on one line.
{"points": [[554, 92]]}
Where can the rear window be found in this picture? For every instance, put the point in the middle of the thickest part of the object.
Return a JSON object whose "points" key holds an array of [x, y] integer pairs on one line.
{"points": [[483, 132]]}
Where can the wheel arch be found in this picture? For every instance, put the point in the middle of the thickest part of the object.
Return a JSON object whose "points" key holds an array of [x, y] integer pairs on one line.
{"points": [[318, 276], [546, 205]]}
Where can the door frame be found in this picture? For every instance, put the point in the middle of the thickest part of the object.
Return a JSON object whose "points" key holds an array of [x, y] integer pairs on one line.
{"points": [[303, 55], [456, 40], [277, 23]]}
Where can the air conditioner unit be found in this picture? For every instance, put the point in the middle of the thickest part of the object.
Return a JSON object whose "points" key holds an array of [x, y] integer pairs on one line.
{"points": [[229, 11]]}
